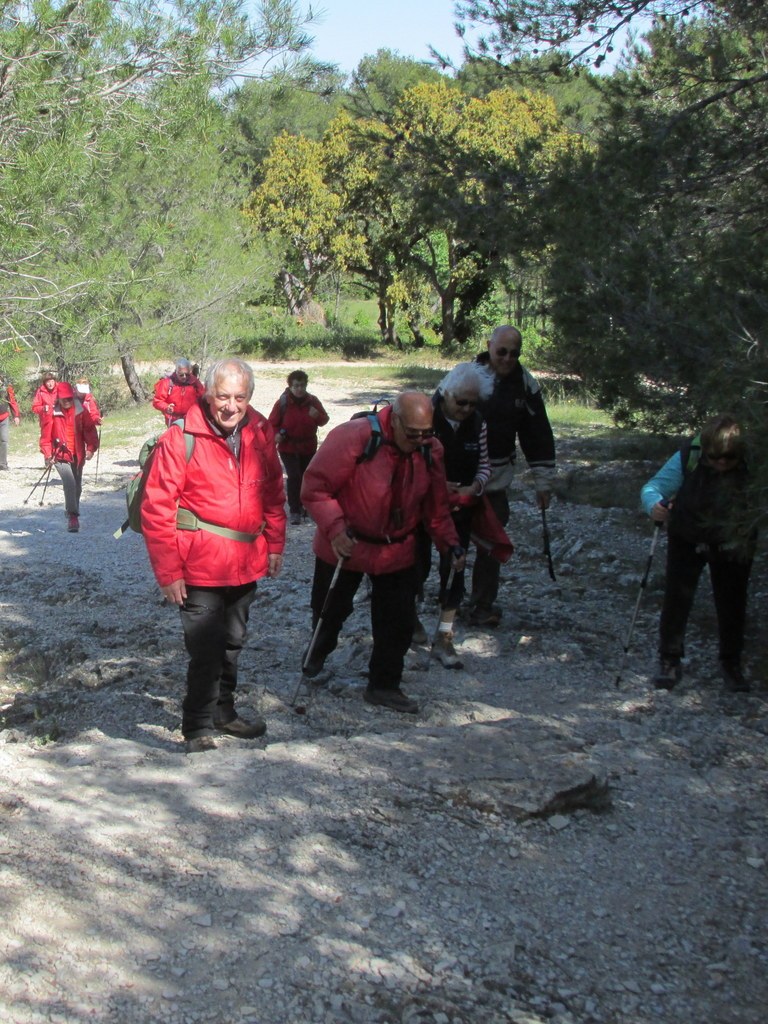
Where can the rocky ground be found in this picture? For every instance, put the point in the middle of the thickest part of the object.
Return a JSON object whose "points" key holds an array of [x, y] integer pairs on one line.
{"points": [[537, 845]]}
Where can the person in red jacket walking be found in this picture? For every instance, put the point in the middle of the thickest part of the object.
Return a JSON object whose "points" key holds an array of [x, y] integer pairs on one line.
{"points": [[86, 396], [175, 395], [296, 415], [214, 523], [44, 398], [68, 438], [368, 506], [8, 407]]}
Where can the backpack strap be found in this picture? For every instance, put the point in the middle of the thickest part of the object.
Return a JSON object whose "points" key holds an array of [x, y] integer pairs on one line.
{"points": [[375, 440], [690, 454]]}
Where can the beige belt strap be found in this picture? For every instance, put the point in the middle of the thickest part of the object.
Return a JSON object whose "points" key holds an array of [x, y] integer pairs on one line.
{"points": [[186, 520]]}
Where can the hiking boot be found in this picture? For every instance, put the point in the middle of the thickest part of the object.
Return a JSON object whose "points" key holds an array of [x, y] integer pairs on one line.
{"points": [[295, 518], [488, 617], [242, 729], [73, 523], [394, 699], [444, 651], [199, 744], [670, 673], [733, 677], [419, 633], [314, 672]]}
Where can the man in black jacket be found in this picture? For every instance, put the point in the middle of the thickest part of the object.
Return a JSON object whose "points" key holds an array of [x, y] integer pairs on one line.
{"points": [[514, 412]]}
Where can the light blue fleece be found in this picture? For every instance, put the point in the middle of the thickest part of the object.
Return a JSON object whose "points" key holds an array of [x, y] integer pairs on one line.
{"points": [[664, 485]]}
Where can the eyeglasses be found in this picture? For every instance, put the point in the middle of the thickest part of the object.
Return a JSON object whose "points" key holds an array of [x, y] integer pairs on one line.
{"points": [[513, 353], [464, 402]]}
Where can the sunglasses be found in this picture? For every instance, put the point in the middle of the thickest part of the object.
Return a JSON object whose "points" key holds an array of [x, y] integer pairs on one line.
{"points": [[722, 457], [464, 402], [513, 353]]}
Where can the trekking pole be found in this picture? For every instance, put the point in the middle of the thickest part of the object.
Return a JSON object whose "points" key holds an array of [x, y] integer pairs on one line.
{"points": [[643, 584], [45, 485], [316, 633], [46, 470], [547, 549], [98, 453]]}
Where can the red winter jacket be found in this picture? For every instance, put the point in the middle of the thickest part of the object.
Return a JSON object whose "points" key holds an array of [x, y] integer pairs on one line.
{"points": [[296, 430], [169, 392], [44, 400], [246, 496], [13, 407], [340, 493], [67, 434], [90, 403]]}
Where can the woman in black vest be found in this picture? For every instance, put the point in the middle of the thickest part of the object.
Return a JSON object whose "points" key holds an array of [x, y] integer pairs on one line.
{"points": [[461, 430]]}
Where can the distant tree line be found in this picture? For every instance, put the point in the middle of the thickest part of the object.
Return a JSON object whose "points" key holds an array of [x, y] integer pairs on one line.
{"points": [[613, 208]]}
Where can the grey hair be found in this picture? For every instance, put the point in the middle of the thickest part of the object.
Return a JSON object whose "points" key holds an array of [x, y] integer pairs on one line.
{"points": [[228, 368], [183, 364], [467, 375]]}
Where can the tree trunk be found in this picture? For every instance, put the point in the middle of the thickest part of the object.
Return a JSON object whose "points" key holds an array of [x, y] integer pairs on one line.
{"points": [[446, 314], [132, 378]]}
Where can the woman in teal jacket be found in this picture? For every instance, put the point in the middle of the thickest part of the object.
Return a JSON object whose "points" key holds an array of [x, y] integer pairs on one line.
{"points": [[700, 494]]}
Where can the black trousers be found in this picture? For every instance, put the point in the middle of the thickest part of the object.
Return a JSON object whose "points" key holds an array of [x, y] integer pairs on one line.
{"points": [[392, 597], [215, 621], [294, 473], [487, 570], [730, 578]]}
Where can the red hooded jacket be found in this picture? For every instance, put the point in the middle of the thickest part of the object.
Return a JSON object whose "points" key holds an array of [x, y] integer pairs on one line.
{"points": [[44, 400], [296, 430], [68, 434], [339, 493], [169, 392], [245, 495]]}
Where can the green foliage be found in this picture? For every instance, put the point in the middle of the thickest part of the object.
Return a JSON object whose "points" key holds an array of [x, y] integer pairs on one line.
{"points": [[100, 107]]}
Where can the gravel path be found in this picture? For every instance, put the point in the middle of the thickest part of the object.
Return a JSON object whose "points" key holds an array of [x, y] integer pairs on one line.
{"points": [[535, 846]]}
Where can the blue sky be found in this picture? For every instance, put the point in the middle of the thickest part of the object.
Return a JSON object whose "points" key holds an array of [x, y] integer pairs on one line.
{"points": [[351, 29]]}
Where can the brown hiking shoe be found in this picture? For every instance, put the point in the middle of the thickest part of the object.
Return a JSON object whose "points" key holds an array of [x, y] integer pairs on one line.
{"points": [[670, 673], [394, 699], [733, 677], [444, 651], [199, 744]]}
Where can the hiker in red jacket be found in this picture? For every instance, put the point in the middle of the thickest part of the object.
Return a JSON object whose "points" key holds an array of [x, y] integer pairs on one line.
{"points": [[44, 398], [175, 395], [296, 415], [214, 523], [68, 438], [86, 396], [367, 506], [8, 407]]}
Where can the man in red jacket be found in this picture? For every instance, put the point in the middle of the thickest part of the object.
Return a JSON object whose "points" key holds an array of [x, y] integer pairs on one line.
{"points": [[174, 396], [214, 523], [367, 511]]}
